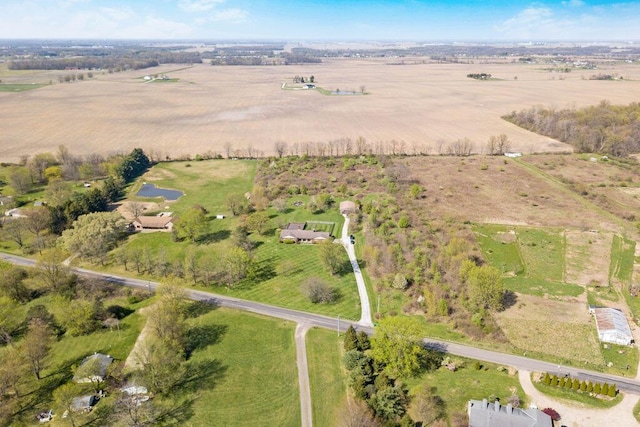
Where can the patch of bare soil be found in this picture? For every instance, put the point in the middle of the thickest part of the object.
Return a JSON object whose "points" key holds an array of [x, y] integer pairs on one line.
{"points": [[127, 210], [588, 256]]}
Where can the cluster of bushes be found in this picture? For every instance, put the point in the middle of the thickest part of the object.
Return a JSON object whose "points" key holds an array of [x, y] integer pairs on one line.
{"points": [[479, 76], [580, 385]]}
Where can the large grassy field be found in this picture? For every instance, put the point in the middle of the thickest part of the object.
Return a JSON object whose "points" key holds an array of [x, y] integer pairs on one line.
{"points": [[250, 364], [327, 376], [19, 87]]}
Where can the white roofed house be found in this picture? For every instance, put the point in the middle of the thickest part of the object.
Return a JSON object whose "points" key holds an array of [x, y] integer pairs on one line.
{"points": [[486, 414]]}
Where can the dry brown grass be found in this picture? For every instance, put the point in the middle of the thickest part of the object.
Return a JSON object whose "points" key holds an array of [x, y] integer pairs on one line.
{"points": [[418, 104], [503, 193], [587, 259], [558, 328]]}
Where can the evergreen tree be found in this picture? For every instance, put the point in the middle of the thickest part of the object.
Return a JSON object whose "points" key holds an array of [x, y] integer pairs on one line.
{"points": [[597, 388], [612, 390], [350, 339], [547, 379], [589, 387], [363, 341], [605, 389], [583, 386]]}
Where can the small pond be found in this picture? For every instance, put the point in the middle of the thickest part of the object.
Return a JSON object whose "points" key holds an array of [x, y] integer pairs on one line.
{"points": [[150, 190]]}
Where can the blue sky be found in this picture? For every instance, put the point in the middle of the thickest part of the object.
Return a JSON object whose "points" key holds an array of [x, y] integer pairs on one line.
{"points": [[322, 20]]}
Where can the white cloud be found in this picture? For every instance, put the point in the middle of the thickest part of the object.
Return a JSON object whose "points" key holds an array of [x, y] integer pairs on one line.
{"points": [[573, 3], [198, 5]]}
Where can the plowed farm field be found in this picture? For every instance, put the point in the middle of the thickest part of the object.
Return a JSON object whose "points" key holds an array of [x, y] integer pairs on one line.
{"points": [[212, 109]]}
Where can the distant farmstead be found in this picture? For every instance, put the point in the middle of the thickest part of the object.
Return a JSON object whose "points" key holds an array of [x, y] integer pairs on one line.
{"points": [[612, 325]]}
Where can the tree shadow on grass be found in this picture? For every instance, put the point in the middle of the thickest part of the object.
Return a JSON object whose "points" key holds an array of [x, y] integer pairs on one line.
{"points": [[201, 375], [215, 237], [199, 308], [199, 337], [176, 414]]}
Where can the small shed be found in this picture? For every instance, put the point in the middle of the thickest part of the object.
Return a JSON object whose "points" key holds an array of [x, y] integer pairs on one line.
{"points": [[347, 207], [83, 403], [612, 326]]}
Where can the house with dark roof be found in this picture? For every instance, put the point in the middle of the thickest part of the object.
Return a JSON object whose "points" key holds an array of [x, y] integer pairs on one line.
{"points": [[103, 360], [485, 414], [304, 236]]}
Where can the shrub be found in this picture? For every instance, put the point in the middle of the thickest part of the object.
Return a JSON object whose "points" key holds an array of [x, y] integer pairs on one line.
{"points": [[597, 388], [612, 390], [547, 379], [318, 291], [605, 389]]}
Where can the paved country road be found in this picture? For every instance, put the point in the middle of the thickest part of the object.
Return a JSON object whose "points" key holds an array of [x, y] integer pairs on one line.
{"points": [[518, 362]]}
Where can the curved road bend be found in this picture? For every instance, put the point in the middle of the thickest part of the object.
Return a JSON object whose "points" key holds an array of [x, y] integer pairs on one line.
{"points": [[365, 317], [519, 362]]}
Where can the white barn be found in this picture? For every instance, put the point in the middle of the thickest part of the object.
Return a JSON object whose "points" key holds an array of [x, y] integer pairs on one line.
{"points": [[612, 326]]}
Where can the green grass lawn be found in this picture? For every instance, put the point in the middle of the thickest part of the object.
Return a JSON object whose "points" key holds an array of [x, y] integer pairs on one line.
{"points": [[500, 247], [206, 183], [19, 87], [543, 251], [250, 364], [541, 287], [622, 259], [457, 388], [327, 376]]}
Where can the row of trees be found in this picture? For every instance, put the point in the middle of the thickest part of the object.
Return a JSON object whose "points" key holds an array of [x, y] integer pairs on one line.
{"points": [[580, 385]]}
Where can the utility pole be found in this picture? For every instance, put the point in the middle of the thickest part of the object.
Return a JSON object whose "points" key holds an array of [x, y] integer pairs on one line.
{"points": [[338, 325], [378, 311]]}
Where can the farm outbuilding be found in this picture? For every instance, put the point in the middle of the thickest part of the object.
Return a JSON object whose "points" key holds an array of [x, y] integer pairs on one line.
{"points": [[347, 207], [612, 326]]}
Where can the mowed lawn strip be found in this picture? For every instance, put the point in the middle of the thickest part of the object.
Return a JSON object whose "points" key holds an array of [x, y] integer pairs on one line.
{"points": [[257, 379], [327, 377]]}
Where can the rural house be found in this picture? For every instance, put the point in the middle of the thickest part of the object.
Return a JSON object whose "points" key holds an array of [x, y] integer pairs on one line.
{"points": [[104, 360], [347, 207], [485, 414], [153, 223], [612, 325], [296, 233], [83, 403]]}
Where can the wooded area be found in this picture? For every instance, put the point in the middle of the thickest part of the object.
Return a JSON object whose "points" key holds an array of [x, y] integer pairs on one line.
{"points": [[604, 128]]}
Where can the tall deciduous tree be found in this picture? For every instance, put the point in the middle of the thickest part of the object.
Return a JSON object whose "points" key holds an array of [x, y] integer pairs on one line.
{"points": [[167, 320], [37, 344], [484, 288], [397, 344], [12, 284], [20, 179], [10, 319], [332, 256], [94, 234], [63, 398], [192, 224]]}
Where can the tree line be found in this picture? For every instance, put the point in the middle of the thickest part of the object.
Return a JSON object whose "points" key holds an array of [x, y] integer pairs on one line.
{"points": [[603, 128]]}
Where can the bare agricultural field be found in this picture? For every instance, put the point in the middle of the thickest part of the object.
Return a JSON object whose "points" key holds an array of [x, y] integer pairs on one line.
{"points": [[558, 328], [498, 190], [587, 258], [422, 105]]}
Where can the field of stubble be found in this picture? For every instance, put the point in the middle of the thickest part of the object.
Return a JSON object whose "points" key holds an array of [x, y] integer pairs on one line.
{"points": [[423, 105]]}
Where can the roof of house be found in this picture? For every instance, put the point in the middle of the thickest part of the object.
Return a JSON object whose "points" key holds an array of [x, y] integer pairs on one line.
{"points": [[83, 402], [153, 221], [105, 361], [485, 414], [613, 321], [304, 234], [296, 225]]}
